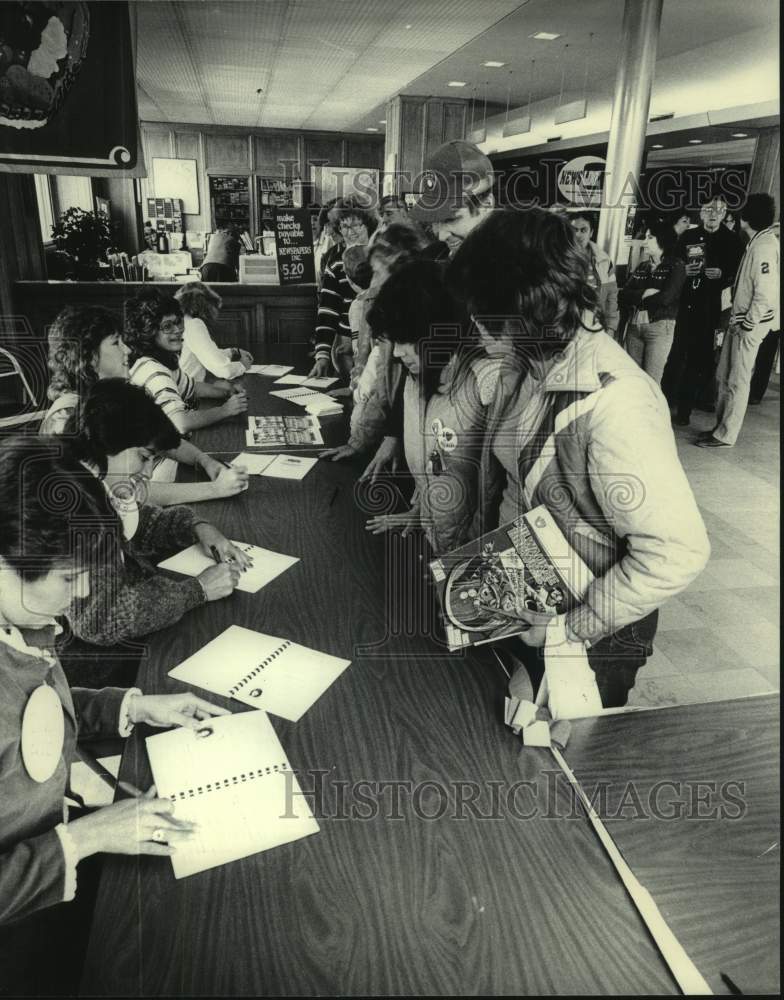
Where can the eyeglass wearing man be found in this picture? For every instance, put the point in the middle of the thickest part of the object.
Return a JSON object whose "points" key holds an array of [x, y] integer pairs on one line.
{"points": [[711, 253]]}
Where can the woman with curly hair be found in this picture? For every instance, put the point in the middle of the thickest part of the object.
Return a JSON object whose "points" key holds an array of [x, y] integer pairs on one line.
{"points": [[85, 347], [580, 428], [356, 225], [154, 333], [200, 354]]}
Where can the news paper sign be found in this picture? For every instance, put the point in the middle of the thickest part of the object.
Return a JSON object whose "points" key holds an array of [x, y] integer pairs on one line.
{"points": [[294, 246]]}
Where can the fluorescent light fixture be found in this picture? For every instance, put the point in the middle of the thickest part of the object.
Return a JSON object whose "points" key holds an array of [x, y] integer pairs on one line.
{"points": [[695, 142], [456, 83], [371, 129], [409, 27], [545, 36], [657, 145], [740, 135], [493, 64], [382, 121]]}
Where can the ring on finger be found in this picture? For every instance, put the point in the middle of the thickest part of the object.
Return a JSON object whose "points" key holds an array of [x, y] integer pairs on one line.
{"points": [[158, 836]]}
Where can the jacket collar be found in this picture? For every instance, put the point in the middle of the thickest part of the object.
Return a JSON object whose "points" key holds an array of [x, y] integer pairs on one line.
{"points": [[575, 368]]}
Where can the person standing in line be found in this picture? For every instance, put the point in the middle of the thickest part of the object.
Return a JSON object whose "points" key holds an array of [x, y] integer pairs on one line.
{"points": [[755, 312], [711, 254], [601, 273], [222, 258], [654, 291]]}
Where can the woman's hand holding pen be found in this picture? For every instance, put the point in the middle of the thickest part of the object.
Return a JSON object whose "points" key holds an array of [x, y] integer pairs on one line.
{"points": [[144, 825], [219, 548], [230, 481]]}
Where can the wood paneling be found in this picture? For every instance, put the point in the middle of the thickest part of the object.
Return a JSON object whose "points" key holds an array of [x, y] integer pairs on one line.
{"points": [[227, 153], [766, 168], [277, 155], [328, 151], [364, 153], [415, 127], [454, 120]]}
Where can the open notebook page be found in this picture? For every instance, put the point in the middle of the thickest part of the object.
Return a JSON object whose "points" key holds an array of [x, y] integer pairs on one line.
{"points": [[233, 779], [266, 565], [262, 671]]}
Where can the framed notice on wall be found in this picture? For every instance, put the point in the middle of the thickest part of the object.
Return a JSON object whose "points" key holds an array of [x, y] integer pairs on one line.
{"points": [[68, 89], [176, 179]]}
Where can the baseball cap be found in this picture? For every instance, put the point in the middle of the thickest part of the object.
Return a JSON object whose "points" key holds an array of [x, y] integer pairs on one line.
{"points": [[455, 169]]}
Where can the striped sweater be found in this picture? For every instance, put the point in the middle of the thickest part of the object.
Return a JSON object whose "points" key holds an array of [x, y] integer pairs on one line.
{"points": [[755, 295], [335, 297], [173, 391]]}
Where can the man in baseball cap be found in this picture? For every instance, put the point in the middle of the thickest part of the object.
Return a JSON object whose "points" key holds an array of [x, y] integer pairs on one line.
{"points": [[456, 191]]}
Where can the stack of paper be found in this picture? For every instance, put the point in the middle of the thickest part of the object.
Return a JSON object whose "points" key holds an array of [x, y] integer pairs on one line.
{"points": [[308, 398], [306, 380], [272, 371], [266, 565], [263, 671]]}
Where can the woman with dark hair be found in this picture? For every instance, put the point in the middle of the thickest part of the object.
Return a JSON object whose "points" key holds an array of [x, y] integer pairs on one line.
{"points": [[653, 294], [47, 550], [445, 401], [85, 346], [154, 333], [120, 431], [200, 354], [579, 428], [355, 224]]}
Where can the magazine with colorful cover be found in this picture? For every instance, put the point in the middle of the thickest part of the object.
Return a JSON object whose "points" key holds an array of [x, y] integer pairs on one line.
{"points": [[276, 432], [526, 565]]}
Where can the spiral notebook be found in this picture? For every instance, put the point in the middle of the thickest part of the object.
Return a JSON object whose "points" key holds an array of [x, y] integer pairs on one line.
{"points": [[231, 777], [262, 671]]}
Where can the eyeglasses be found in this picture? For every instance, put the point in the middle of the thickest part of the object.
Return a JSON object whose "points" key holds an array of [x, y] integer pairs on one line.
{"points": [[351, 227]]}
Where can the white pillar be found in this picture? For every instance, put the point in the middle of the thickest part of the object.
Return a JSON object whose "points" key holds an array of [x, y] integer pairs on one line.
{"points": [[631, 104]]}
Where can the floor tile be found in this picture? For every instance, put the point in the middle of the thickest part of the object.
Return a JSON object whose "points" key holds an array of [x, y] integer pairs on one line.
{"points": [[726, 684], [656, 692], [698, 650]]}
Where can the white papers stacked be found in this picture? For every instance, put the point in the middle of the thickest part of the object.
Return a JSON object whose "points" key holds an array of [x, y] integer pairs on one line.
{"points": [[306, 380], [266, 565], [272, 371], [316, 403]]}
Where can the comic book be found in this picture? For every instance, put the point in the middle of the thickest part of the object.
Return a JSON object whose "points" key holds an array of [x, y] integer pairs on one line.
{"points": [[525, 565]]}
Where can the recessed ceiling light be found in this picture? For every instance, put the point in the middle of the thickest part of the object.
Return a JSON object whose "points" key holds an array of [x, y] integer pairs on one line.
{"points": [[740, 135], [657, 145], [371, 129], [409, 27], [456, 83], [695, 142], [492, 63], [545, 36], [382, 121]]}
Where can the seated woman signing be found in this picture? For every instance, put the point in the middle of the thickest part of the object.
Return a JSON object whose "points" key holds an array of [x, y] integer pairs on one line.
{"points": [[85, 346], [120, 432], [45, 558]]}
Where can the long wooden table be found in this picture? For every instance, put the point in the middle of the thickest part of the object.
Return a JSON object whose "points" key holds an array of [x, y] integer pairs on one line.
{"points": [[405, 890]]}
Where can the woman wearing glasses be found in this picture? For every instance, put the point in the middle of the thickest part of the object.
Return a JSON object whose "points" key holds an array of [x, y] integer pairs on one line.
{"points": [[355, 224]]}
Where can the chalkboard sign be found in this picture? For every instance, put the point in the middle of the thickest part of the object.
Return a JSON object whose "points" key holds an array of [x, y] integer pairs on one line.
{"points": [[294, 246]]}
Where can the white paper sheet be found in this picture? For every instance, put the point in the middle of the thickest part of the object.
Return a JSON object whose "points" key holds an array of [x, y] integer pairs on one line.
{"points": [[323, 409], [266, 565], [233, 779], [254, 465], [289, 467], [270, 370], [292, 380], [301, 395], [262, 671], [323, 382]]}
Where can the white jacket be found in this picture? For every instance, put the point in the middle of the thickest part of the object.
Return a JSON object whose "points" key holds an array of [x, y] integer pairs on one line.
{"points": [[755, 295]]}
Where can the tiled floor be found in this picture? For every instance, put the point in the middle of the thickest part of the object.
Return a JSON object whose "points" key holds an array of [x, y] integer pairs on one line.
{"points": [[720, 639]]}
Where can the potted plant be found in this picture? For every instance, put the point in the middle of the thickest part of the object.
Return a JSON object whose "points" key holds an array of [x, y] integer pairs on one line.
{"points": [[85, 236]]}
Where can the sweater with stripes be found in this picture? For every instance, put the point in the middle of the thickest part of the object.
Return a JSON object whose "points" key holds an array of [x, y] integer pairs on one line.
{"points": [[335, 297]]}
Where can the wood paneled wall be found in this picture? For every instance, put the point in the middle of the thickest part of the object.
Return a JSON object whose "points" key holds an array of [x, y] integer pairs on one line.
{"points": [[766, 168], [252, 152], [415, 127]]}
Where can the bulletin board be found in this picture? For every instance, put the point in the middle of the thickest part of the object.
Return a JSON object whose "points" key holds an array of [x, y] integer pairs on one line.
{"points": [[176, 179]]}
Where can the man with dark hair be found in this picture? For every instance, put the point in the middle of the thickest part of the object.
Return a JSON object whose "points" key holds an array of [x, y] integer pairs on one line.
{"points": [[755, 311], [601, 273], [711, 254]]}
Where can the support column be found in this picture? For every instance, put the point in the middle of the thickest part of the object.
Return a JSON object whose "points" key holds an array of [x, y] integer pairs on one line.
{"points": [[766, 168], [631, 104]]}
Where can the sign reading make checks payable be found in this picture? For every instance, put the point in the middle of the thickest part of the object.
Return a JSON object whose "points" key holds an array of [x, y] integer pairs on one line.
{"points": [[294, 246]]}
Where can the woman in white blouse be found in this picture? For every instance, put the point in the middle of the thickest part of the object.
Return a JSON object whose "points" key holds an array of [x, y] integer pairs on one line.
{"points": [[200, 354]]}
